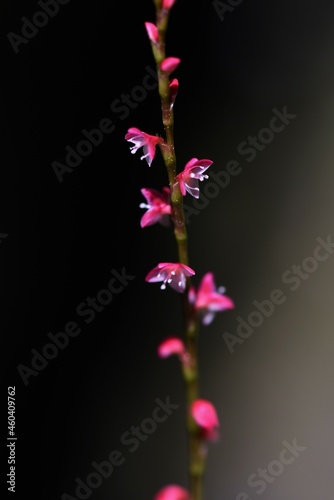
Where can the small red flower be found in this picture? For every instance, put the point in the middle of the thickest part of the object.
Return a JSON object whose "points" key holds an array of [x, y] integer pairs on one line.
{"points": [[209, 300], [158, 206], [192, 173], [170, 346], [146, 141], [152, 32], [174, 275], [172, 492], [205, 416], [170, 64]]}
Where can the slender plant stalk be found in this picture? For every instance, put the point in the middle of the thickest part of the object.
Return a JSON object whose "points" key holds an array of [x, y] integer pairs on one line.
{"points": [[196, 453]]}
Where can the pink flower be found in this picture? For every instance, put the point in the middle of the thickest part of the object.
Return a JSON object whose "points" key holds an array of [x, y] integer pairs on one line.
{"points": [[172, 274], [192, 173], [146, 141], [172, 492], [205, 416], [158, 206], [170, 64], [208, 300], [171, 346], [152, 32], [174, 87], [167, 4]]}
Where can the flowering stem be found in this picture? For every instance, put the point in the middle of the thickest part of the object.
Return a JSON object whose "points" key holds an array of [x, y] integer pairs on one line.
{"points": [[196, 454], [190, 372]]}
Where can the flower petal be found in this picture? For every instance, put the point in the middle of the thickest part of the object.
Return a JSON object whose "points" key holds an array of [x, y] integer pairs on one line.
{"points": [[167, 4], [172, 274], [192, 295], [207, 284], [204, 414], [208, 318], [171, 345], [170, 64], [220, 302], [155, 197], [155, 275], [192, 187], [174, 87], [190, 164], [152, 32], [201, 166], [152, 216], [177, 282]]}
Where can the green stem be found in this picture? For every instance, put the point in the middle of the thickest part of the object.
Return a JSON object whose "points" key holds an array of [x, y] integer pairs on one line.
{"points": [[196, 456]]}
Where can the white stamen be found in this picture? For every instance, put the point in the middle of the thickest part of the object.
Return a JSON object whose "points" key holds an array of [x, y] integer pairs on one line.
{"points": [[163, 286], [144, 205]]}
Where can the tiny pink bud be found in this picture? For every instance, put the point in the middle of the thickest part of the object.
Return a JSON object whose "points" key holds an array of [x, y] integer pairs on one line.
{"points": [[170, 346], [173, 90], [152, 32], [172, 492], [205, 416], [170, 64], [167, 4]]}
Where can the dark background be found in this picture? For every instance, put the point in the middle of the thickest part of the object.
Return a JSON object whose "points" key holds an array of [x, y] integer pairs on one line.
{"points": [[64, 238]]}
